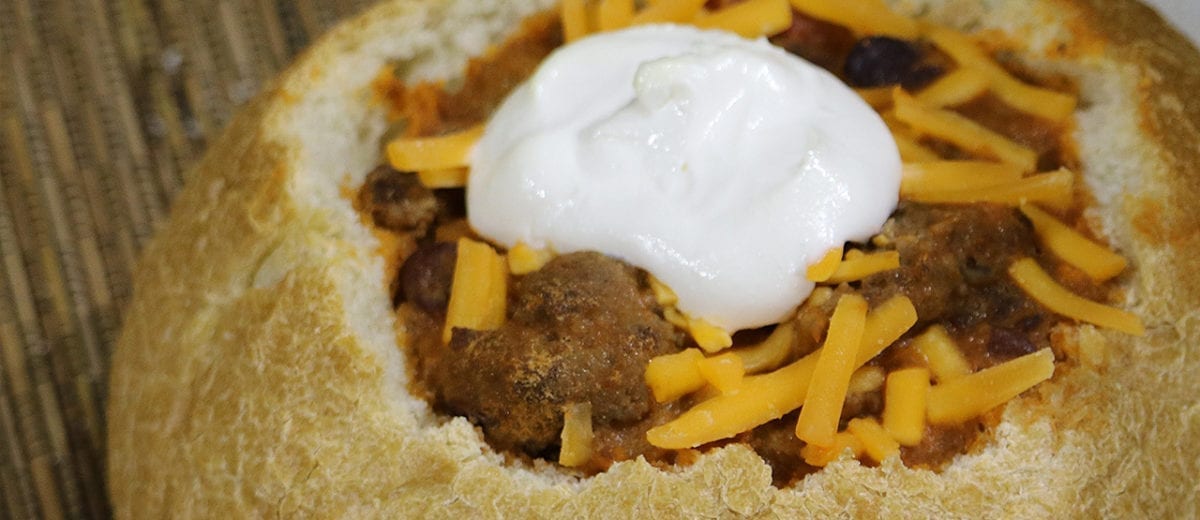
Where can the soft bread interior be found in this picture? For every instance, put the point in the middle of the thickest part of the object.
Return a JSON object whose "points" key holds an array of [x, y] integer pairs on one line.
{"points": [[258, 372]]}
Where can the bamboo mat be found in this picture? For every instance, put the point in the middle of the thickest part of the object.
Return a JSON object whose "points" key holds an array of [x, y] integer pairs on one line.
{"points": [[104, 104]]}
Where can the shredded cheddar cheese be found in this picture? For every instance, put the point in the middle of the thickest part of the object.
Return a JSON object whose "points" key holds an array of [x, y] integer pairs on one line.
{"points": [[820, 456], [826, 266], [1045, 103], [668, 11], [904, 402], [724, 372], [1043, 289], [710, 337], [577, 436], [479, 290], [866, 380], [523, 259], [662, 294], [876, 442], [858, 266], [1055, 189], [917, 177], [880, 98], [827, 390], [750, 19], [1072, 247], [614, 14], [574, 14], [433, 153], [955, 88], [962, 132], [970, 396], [443, 178], [861, 16], [771, 352], [763, 398], [910, 149], [672, 376], [942, 356]]}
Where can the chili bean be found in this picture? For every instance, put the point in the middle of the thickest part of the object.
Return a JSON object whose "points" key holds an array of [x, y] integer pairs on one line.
{"points": [[426, 276]]}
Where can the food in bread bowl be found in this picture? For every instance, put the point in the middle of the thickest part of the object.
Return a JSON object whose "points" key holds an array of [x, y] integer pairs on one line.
{"points": [[263, 370]]}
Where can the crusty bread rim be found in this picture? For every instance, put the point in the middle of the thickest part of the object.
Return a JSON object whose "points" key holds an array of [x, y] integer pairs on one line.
{"points": [[257, 376]]}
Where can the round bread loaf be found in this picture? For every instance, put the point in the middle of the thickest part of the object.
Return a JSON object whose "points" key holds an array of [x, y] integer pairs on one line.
{"points": [[259, 372]]}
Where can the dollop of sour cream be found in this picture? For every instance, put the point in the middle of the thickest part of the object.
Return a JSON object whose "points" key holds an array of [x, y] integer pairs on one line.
{"points": [[723, 166]]}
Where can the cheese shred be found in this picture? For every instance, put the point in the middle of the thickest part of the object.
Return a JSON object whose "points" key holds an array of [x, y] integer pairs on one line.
{"points": [[577, 435], [1099, 262], [962, 132], [904, 401], [763, 398], [433, 153], [750, 19], [864, 17], [967, 397], [668, 11], [479, 289], [827, 391], [1043, 289], [858, 266]]}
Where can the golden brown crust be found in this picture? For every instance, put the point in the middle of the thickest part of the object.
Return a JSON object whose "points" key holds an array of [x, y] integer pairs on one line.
{"points": [[255, 376]]}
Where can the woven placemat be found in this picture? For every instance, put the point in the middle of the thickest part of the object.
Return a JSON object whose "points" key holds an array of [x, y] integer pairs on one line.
{"points": [[104, 104]]}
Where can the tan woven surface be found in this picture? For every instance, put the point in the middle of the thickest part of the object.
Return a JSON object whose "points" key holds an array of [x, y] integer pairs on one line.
{"points": [[103, 106]]}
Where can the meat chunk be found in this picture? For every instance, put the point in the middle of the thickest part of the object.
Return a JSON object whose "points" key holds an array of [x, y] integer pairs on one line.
{"points": [[397, 201], [579, 331], [954, 261]]}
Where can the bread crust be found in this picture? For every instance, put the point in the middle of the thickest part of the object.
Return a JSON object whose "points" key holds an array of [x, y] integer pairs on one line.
{"points": [[258, 372]]}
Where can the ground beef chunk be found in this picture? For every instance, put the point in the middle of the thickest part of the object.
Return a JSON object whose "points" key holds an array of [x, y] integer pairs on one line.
{"points": [[954, 261], [579, 331], [397, 201], [954, 268]]}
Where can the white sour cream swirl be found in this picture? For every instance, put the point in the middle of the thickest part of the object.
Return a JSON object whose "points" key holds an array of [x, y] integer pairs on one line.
{"points": [[722, 166]]}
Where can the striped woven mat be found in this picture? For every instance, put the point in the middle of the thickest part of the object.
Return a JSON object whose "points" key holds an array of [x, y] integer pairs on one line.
{"points": [[104, 105]]}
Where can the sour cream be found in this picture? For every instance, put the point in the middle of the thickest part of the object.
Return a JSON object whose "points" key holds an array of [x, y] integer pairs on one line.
{"points": [[723, 166]]}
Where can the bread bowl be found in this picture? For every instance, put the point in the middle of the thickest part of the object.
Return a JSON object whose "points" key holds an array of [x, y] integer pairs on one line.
{"points": [[259, 373]]}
